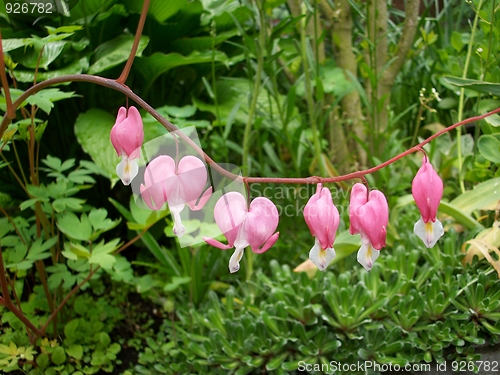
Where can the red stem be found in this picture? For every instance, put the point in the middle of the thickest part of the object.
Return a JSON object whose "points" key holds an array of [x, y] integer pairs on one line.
{"points": [[11, 110], [137, 39]]}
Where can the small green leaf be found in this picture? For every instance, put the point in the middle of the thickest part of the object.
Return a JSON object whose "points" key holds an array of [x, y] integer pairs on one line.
{"points": [[58, 356], [489, 147], [75, 351], [106, 261]]}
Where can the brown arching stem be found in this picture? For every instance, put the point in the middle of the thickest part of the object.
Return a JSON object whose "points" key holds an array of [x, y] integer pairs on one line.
{"points": [[112, 84]]}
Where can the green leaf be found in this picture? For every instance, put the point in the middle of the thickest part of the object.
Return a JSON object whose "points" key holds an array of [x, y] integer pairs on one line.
{"points": [[489, 147], [479, 86], [39, 250], [161, 10], [75, 228], [105, 248], [484, 196], [15, 43], [75, 67], [456, 41], [459, 215], [92, 130], [153, 66], [45, 98], [116, 51], [75, 351], [58, 356], [106, 261]]}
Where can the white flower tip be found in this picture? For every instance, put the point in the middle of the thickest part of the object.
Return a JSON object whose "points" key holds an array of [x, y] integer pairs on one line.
{"points": [[179, 228], [234, 262], [127, 169], [367, 256], [321, 257], [429, 232]]}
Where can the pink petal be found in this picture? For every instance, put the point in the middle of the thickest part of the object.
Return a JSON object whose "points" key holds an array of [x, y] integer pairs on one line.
{"points": [[358, 200], [229, 213], [203, 200], [192, 173], [322, 217], [269, 243], [216, 243], [427, 190], [374, 220], [261, 222], [127, 134]]}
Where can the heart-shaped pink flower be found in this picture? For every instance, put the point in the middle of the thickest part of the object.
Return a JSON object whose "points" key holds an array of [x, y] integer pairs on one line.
{"points": [[244, 227]]}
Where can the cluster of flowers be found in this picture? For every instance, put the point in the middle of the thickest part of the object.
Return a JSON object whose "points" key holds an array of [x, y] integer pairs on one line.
{"points": [[183, 182]]}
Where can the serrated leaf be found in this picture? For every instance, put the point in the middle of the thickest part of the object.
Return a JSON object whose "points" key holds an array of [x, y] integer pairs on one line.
{"points": [[72, 226], [106, 261]]}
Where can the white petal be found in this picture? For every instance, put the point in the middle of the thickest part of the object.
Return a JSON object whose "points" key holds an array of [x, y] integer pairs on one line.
{"points": [[179, 228], [321, 257], [367, 256], [127, 170], [429, 232], [234, 262]]}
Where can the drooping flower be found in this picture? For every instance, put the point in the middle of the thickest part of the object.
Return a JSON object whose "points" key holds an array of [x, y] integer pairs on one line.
{"points": [[127, 136], [369, 216], [244, 227], [181, 184], [427, 190], [322, 218]]}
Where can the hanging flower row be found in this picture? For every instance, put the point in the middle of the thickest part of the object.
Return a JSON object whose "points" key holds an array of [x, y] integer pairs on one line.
{"points": [[254, 224]]}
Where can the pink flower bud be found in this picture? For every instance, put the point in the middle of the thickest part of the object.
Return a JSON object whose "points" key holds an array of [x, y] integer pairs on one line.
{"points": [[427, 190], [322, 218], [127, 136], [241, 227]]}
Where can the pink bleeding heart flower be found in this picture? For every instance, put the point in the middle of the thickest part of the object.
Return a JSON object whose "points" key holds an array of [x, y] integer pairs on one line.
{"points": [[369, 216], [427, 190], [322, 218], [127, 136], [181, 184], [243, 227]]}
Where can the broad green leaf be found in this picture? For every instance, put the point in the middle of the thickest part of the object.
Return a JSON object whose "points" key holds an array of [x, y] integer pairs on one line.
{"points": [[15, 43], [116, 51], [92, 130], [75, 67], [75, 228], [153, 66], [161, 10], [479, 86], [51, 51], [459, 215], [484, 196], [489, 147]]}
